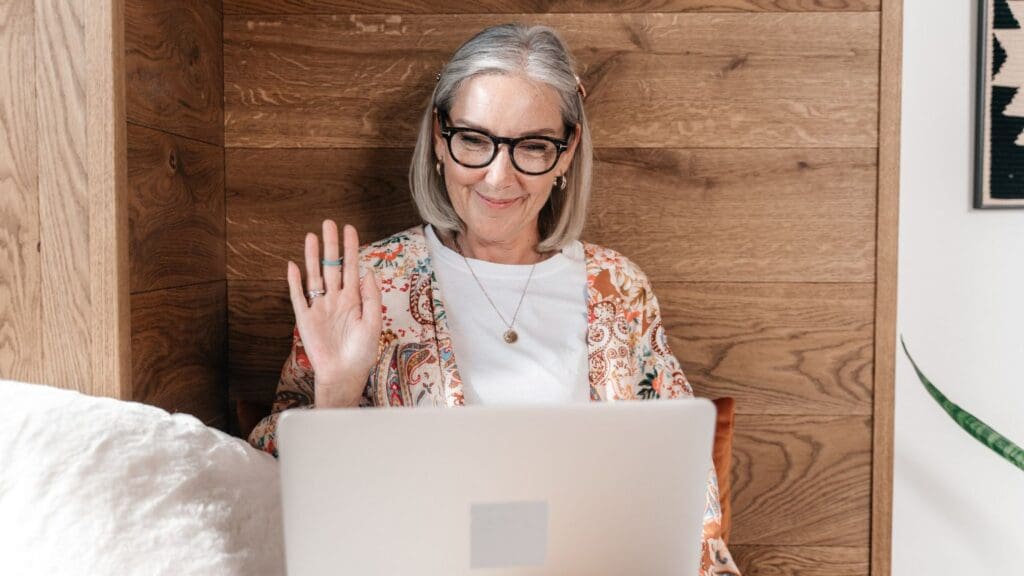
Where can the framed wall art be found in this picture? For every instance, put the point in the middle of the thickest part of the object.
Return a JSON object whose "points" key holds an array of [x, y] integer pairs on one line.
{"points": [[999, 167]]}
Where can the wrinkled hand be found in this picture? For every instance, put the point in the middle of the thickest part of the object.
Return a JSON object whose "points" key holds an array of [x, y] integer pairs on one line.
{"points": [[340, 329]]}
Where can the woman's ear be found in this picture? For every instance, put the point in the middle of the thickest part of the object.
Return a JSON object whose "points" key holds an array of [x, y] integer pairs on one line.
{"points": [[570, 152], [577, 135]]}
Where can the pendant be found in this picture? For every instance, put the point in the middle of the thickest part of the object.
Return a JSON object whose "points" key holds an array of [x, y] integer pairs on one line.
{"points": [[511, 336]]}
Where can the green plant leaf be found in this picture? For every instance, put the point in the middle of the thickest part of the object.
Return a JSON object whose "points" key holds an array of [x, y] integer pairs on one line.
{"points": [[979, 430]]}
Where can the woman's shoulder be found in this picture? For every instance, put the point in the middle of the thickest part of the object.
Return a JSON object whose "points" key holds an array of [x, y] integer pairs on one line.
{"points": [[601, 259], [396, 251], [408, 237], [613, 276]]}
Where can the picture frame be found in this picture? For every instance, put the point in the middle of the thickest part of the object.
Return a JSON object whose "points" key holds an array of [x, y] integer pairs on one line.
{"points": [[999, 131]]}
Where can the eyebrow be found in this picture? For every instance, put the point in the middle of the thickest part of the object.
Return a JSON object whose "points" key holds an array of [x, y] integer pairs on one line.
{"points": [[541, 132]]}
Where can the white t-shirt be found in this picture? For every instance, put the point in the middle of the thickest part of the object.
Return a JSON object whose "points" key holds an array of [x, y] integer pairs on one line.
{"points": [[548, 364]]}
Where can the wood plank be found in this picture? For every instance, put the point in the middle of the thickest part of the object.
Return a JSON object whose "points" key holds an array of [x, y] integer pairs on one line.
{"points": [[64, 193], [801, 480], [532, 6], [887, 269], [776, 348], [275, 197], [687, 215], [800, 560], [110, 343], [655, 80], [179, 348], [20, 274], [321, 36], [177, 210], [728, 123], [175, 67], [738, 215], [611, 77], [260, 322]]}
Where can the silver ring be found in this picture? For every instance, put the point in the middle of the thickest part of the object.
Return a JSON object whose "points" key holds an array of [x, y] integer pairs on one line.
{"points": [[315, 293], [337, 262]]}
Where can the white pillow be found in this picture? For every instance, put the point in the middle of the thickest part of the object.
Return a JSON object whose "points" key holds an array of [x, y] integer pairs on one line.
{"points": [[97, 487]]}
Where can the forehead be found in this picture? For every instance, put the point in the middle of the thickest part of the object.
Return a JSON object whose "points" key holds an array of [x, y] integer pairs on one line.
{"points": [[507, 105]]}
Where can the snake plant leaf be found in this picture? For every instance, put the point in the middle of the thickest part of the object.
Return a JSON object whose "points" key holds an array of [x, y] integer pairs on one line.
{"points": [[979, 430]]}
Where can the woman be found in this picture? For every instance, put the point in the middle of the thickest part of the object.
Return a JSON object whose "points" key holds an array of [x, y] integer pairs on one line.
{"points": [[501, 176]]}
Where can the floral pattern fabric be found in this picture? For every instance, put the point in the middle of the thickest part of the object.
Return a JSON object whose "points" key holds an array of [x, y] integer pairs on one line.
{"points": [[629, 356]]}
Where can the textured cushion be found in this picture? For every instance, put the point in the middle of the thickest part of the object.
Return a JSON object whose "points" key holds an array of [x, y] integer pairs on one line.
{"points": [[104, 487], [722, 455]]}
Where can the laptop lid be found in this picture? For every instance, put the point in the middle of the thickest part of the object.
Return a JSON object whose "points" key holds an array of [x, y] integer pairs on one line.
{"points": [[588, 489]]}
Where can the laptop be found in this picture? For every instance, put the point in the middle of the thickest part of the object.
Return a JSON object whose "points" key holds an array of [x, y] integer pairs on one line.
{"points": [[601, 489]]}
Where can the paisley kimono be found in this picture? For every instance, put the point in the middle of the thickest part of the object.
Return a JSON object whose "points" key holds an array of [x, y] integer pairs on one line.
{"points": [[629, 357]]}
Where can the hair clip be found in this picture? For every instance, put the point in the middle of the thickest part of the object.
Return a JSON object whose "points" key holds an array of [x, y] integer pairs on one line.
{"points": [[580, 89]]}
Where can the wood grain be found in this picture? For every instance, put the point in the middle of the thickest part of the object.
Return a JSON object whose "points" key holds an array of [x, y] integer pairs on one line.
{"points": [[801, 480], [20, 274], [323, 38], [275, 197], [67, 72], [175, 69], [683, 215], [532, 6], [260, 322], [800, 560], [777, 348], [738, 215], [174, 63], [110, 343], [179, 348], [886, 289], [612, 77], [61, 86], [655, 80], [177, 210]]}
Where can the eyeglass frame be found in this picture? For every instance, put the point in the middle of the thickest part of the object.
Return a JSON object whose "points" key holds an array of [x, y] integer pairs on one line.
{"points": [[448, 132]]}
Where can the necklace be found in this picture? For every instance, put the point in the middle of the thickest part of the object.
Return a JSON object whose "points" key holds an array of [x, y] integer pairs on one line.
{"points": [[510, 336]]}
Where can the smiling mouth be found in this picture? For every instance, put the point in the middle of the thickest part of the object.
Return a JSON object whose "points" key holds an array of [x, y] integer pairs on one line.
{"points": [[497, 203]]}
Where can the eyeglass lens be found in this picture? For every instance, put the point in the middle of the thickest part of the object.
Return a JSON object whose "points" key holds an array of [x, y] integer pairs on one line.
{"points": [[477, 150]]}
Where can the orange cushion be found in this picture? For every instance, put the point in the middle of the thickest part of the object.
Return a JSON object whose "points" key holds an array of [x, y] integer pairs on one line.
{"points": [[247, 416], [722, 455]]}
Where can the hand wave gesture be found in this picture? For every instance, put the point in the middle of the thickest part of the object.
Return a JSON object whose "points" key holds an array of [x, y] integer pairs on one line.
{"points": [[339, 316]]}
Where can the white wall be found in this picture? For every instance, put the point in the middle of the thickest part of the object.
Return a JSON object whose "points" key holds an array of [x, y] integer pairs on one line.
{"points": [[958, 508]]}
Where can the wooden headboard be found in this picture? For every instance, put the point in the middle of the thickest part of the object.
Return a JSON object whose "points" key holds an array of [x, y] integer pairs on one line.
{"points": [[737, 163], [746, 159]]}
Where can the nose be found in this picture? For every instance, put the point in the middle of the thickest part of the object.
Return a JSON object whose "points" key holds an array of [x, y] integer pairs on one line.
{"points": [[501, 172]]}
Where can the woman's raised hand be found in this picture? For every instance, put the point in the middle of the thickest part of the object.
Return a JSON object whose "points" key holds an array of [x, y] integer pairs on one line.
{"points": [[339, 317]]}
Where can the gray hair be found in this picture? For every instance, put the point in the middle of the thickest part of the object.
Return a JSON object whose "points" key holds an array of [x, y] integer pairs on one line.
{"points": [[538, 53]]}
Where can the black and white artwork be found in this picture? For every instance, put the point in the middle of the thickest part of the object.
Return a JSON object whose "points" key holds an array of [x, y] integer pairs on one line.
{"points": [[999, 170]]}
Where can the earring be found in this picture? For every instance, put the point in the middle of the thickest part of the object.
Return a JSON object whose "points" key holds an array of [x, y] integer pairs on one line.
{"points": [[437, 167], [562, 183]]}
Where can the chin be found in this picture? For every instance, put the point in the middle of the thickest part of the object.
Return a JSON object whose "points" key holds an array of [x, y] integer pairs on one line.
{"points": [[492, 232]]}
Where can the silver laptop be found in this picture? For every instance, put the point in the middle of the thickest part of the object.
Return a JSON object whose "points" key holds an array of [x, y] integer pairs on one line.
{"points": [[614, 489]]}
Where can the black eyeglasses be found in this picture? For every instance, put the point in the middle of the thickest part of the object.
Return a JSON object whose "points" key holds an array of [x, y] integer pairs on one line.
{"points": [[533, 155]]}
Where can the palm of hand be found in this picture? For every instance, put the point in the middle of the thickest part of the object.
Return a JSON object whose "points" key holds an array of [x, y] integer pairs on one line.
{"points": [[340, 323]]}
